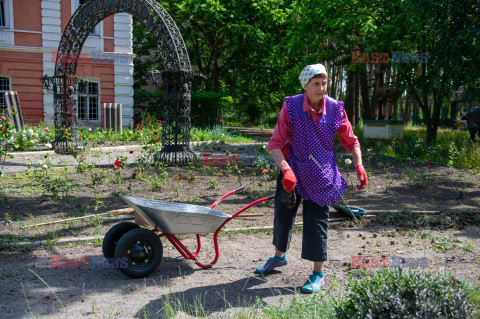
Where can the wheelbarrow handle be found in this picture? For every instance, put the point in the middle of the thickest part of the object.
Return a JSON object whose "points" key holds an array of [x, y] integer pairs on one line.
{"points": [[226, 195]]}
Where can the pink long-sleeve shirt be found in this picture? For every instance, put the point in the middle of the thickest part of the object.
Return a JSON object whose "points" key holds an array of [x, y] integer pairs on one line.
{"points": [[282, 135]]}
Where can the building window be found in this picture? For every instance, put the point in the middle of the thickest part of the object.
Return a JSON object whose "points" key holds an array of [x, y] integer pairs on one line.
{"points": [[4, 14], [89, 103], [75, 5], [4, 87]]}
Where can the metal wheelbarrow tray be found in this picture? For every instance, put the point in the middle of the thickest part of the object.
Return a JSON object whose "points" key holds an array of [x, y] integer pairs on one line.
{"points": [[176, 218], [140, 250]]}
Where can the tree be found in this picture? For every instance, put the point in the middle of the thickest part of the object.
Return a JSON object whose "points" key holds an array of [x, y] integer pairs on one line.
{"points": [[448, 31]]}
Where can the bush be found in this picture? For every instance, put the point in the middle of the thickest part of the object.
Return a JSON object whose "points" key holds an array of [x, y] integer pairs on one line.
{"points": [[396, 293], [206, 107]]}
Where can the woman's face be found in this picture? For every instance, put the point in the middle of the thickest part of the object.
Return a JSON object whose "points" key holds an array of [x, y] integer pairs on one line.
{"points": [[316, 89]]}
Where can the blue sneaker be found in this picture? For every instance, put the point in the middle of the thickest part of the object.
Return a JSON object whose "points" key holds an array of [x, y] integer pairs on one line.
{"points": [[313, 284], [272, 263]]}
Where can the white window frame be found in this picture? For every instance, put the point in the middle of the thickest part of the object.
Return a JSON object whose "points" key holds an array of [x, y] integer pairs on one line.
{"points": [[8, 12], [99, 96], [2, 92], [98, 31]]}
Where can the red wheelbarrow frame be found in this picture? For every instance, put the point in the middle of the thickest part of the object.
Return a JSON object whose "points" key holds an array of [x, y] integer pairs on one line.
{"points": [[186, 253]]}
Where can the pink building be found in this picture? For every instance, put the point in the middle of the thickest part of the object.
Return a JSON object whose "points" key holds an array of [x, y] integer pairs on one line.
{"points": [[30, 32]]}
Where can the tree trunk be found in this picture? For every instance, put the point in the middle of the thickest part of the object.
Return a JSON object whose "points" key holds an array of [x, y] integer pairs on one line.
{"points": [[453, 111], [379, 83], [341, 96], [333, 77], [432, 133], [367, 112], [216, 76], [407, 110], [350, 95], [357, 99]]}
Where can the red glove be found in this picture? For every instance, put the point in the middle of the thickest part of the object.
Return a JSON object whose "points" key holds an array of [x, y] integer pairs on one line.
{"points": [[289, 180], [362, 176]]}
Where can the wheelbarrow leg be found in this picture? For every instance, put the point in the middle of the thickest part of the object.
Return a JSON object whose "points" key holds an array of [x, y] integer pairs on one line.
{"points": [[188, 255]]}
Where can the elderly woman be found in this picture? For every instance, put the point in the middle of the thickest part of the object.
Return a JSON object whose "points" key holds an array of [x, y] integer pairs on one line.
{"points": [[302, 148]]}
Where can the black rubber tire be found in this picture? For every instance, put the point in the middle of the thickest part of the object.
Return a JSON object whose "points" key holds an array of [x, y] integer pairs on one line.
{"points": [[113, 236], [146, 245]]}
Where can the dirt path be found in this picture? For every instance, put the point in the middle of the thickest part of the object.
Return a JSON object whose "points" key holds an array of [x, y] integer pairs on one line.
{"points": [[223, 289], [450, 242]]}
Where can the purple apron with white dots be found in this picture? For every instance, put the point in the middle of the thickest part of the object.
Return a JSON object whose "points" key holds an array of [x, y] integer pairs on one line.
{"points": [[321, 183]]}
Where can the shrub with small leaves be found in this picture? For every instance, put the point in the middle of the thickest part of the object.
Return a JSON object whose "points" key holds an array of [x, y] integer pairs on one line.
{"points": [[397, 293]]}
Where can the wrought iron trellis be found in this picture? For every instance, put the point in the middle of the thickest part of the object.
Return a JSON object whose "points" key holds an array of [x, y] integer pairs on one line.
{"points": [[172, 50], [65, 91], [177, 87]]}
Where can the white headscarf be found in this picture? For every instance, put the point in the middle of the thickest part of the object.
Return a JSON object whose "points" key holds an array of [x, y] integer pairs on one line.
{"points": [[310, 71]]}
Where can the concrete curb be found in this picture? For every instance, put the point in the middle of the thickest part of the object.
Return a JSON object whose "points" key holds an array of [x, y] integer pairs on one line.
{"points": [[110, 148]]}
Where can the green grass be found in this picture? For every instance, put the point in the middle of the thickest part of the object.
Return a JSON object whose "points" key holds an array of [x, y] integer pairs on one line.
{"points": [[218, 133], [453, 147], [319, 305]]}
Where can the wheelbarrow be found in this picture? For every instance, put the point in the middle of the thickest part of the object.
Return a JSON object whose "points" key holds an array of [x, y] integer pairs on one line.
{"points": [[139, 251]]}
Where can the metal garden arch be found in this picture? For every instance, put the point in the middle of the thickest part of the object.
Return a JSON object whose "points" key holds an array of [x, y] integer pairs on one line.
{"points": [[175, 79]]}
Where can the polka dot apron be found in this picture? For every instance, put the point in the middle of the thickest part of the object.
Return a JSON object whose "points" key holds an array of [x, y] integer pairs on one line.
{"points": [[321, 183]]}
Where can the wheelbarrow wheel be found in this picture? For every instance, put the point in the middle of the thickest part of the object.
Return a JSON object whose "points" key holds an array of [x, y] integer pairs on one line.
{"points": [[142, 251], [113, 236]]}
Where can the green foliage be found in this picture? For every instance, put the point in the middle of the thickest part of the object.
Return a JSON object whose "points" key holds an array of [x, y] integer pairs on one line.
{"points": [[206, 107], [396, 293], [158, 180], [453, 147], [7, 131], [213, 183], [57, 184], [418, 180], [265, 163], [319, 305], [403, 219], [217, 133]]}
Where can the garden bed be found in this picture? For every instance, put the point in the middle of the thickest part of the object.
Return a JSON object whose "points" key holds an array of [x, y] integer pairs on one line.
{"points": [[450, 242]]}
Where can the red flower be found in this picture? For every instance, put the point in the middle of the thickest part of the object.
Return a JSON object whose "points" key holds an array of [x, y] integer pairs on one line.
{"points": [[131, 152], [115, 168], [158, 139], [159, 121], [47, 297], [155, 133], [80, 135], [137, 124], [118, 163], [429, 167], [3, 128], [10, 123], [148, 121], [3, 119], [47, 130], [216, 170], [264, 170], [139, 128]]}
